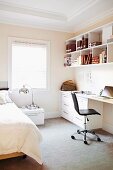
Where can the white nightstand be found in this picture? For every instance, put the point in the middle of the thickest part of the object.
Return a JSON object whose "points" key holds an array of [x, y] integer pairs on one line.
{"points": [[36, 115]]}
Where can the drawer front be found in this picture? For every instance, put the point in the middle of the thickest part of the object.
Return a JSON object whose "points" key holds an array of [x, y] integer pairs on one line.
{"points": [[68, 106], [65, 110], [37, 119], [33, 113], [67, 101], [66, 96], [65, 115]]}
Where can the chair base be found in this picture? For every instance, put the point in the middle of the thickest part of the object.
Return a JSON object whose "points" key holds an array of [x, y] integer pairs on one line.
{"points": [[85, 132]]}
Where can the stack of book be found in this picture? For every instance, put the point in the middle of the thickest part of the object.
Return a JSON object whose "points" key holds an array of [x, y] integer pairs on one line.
{"points": [[95, 60], [71, 46], [86, 59]]}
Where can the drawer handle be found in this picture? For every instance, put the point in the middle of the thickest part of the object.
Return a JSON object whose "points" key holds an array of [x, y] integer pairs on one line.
{"points": [[66, 96], [79, 118], [66, 104], [65, 112]]}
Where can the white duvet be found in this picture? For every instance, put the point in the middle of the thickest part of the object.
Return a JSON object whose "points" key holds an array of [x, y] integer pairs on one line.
{"points": [[18, 133]]}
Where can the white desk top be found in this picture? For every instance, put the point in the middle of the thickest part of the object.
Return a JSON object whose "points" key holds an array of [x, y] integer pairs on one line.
{"points": [[97, 98]]}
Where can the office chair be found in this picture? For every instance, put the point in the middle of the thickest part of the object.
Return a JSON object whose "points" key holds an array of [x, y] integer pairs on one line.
{"points": [[85, 113]]}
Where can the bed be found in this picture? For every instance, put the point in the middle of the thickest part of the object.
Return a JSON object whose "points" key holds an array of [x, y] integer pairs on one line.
{"points": [[18, 134]]}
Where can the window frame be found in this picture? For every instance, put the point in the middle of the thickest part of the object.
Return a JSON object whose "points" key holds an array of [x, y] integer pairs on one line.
{"points": [[11, 40]]}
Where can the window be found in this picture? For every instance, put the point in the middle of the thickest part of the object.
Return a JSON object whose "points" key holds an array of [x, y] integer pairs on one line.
{"points": [[28, 63]]}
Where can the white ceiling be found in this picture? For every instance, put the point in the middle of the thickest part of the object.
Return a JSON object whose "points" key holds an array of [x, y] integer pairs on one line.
{"points": [[61, 15]]}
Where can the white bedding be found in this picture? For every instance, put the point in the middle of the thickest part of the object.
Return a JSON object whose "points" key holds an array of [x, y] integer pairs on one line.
{"points": [[18, 133]]}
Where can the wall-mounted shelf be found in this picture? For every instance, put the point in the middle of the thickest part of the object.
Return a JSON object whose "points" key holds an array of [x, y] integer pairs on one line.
{"points": [[92, 48], [92, 65]]}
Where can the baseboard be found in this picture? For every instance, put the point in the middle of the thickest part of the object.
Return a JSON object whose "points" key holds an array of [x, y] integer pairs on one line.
{"points": [[108, 127], [49, 115]]}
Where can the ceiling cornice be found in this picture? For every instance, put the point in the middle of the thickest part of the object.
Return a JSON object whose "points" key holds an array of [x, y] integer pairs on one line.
{"points": [[32, 11], [92, 21], [39, 26], [83, 8]]}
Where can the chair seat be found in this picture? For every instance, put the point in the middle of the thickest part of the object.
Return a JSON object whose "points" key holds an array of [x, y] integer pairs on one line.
{"points": [[86, 112]]}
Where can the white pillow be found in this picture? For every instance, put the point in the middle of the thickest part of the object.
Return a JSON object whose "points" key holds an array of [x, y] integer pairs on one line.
{"points": [[2, 98], [8, 100]]}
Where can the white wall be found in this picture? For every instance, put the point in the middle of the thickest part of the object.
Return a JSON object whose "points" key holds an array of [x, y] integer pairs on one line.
{"points": [[93, 78], [58, 73]]}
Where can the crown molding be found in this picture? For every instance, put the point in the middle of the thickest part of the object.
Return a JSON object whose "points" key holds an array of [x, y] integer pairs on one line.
{"points": [[91, 22], [83, 8], [35, 26], [10, 7]]}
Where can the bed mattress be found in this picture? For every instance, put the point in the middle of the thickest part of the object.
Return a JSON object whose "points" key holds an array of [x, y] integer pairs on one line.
{"points": [[18, 133]]}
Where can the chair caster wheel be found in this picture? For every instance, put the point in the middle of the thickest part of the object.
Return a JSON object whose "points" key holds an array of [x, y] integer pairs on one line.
{"points": [[72, 137], [78, 131], [98, 139], [85, 142]]}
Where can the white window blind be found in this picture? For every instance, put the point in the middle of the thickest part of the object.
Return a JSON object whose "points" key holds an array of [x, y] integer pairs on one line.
{"points": [[29, 64]]}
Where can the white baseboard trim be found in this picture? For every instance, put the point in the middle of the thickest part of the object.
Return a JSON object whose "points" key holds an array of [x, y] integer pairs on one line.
{"points": [[108, 127], [49, 115]]}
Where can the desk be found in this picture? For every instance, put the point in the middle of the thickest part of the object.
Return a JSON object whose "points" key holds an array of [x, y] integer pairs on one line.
{"points": [[101, 104]]}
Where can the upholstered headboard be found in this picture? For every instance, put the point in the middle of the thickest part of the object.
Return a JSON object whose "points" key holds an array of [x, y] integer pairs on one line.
{"points": [[4, 85]]}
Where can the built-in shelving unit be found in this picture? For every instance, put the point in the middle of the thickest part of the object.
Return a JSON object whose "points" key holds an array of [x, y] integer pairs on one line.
{"points": [[91, 48]]}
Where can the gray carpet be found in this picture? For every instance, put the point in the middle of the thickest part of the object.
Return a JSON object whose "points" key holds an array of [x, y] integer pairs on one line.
{"points": [[60, 152]]}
